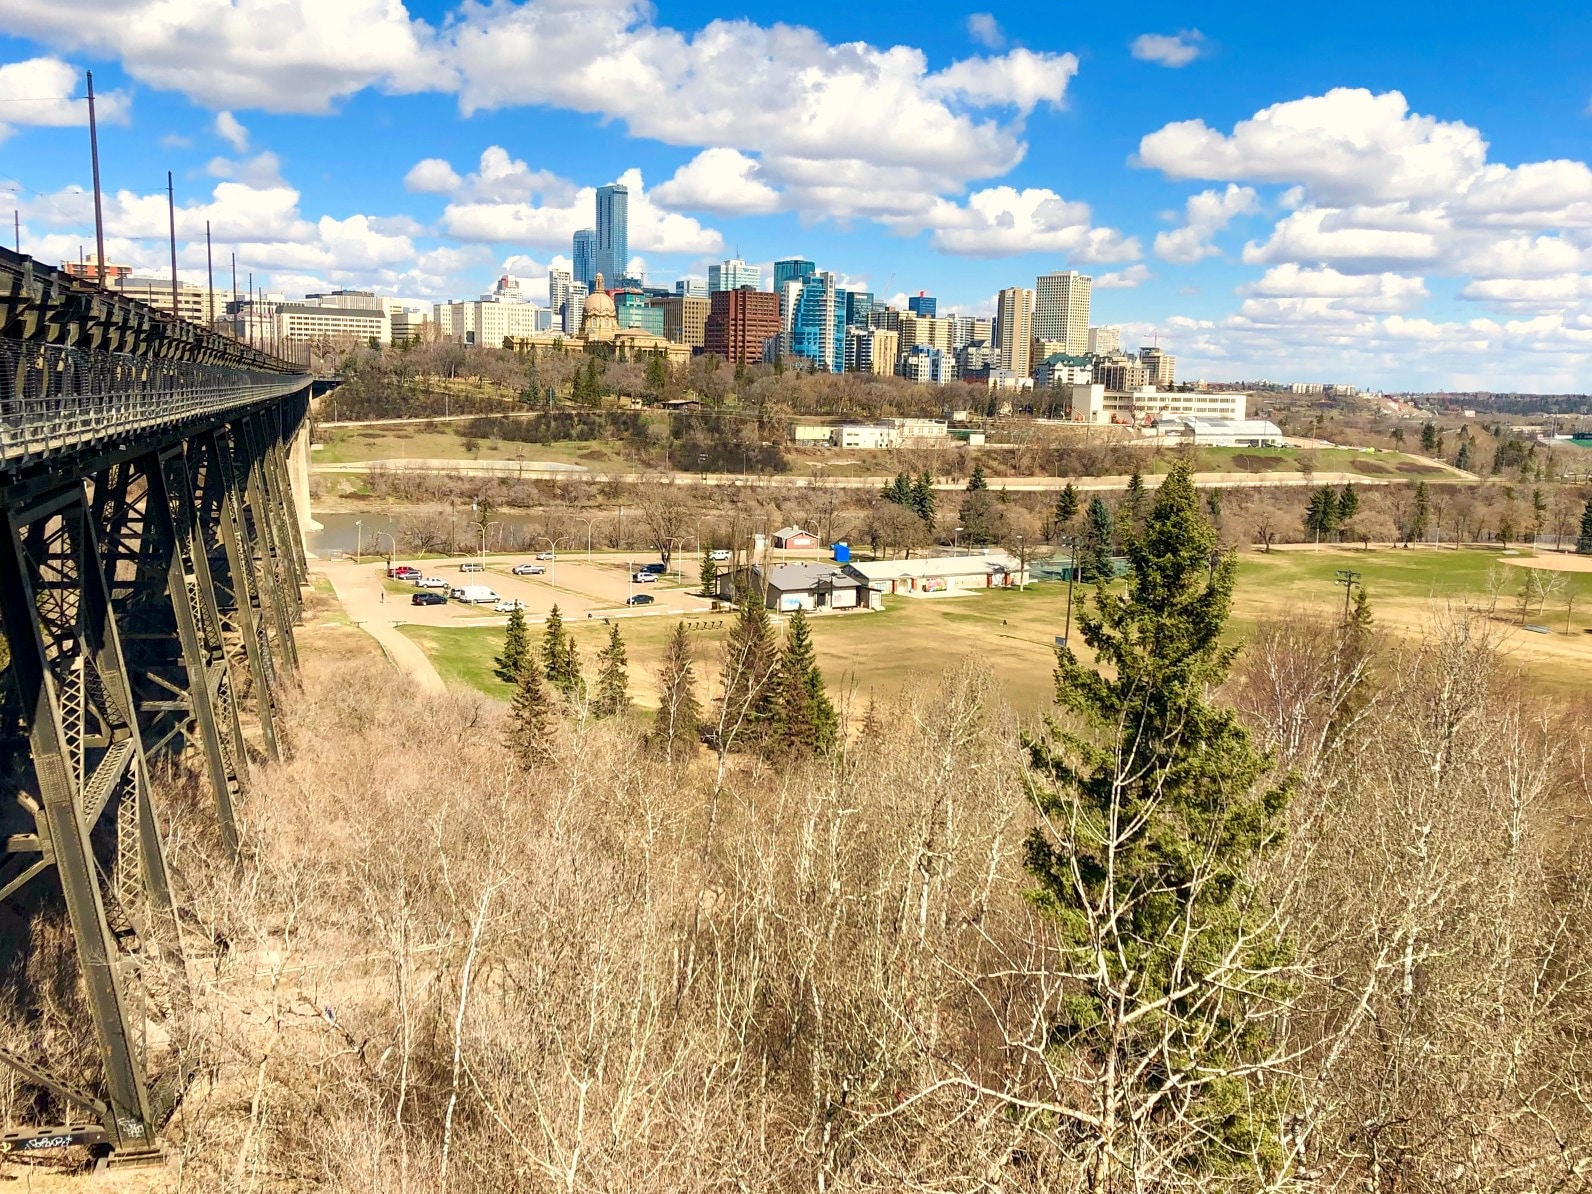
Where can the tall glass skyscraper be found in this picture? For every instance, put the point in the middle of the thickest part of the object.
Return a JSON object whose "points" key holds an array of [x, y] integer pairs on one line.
{"points": [[791, 269], [818, 330], [859, 305], [613, 232], [585, 254], [923, 304]]}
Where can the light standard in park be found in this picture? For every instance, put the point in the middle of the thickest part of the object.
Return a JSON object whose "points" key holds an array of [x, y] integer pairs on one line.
{"points": [[587, 521], [1022, 563], [359, 539], [552, 547], [956, 539], [674, 554]]}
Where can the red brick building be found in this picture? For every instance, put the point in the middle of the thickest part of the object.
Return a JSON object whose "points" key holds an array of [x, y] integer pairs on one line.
{"points": [[738, 323]]}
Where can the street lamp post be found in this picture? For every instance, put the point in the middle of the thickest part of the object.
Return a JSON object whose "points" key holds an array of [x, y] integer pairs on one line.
{"points": [[956, 539], [1072, 576], [552, 547], [679, 572], [587, 521], [359, 538], [630, 580], [1022, 563]]}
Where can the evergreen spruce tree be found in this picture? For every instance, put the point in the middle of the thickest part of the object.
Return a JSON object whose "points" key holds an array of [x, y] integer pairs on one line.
{"points": [[899, 491], [1094, 551], [1466, 458], [1429, 437], [516, 657], [976, 482], [923, 497], [1583, 542], [530, 719], [1066, 507], [554, 645], [1131, 510], [805, 721], [710, 573], [561, 658], [1154, 809], [613, 681], [679, 717], [1321, 515], [1421, 514], [748, 677], [1213, 506], [1348, 504]]}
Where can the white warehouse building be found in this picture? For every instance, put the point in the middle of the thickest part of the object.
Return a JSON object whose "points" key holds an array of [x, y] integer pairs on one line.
{"points": [[1096, 404]]}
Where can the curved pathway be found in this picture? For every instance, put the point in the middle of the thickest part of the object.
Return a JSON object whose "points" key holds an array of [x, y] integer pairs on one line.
{"points": [[359, 591]]}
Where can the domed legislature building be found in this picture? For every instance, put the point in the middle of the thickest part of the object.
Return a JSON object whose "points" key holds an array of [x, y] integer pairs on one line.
{"points": [[601, 335]]}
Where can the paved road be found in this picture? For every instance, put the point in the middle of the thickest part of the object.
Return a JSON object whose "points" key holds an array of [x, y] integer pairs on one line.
{"points": [[516, 469]]}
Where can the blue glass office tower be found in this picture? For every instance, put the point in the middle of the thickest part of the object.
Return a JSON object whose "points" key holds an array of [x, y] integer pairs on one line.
{"points": [[818, 328], [792, 269], [859, 305], [585, 266], [613, 232], [923, 304]]}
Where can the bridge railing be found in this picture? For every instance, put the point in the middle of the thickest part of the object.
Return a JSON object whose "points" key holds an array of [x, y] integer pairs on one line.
{"points": [[56, 397]]}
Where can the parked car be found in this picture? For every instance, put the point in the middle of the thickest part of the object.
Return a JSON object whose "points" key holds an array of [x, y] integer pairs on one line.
{"points": [[656, 569], [528, 570], [472, 566], [476, 595], [403, 572], [508, 606], [456, 593], [428, 599], [432, 582], [545, 555], [721, 554], [640, 599], [645, 578]]}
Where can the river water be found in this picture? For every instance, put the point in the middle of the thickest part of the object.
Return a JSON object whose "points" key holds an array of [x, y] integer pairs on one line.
{"points": [[375, 533]]}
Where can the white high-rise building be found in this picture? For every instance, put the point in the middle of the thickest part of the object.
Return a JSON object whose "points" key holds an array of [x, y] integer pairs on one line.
{"points": [[734, 274], [1061, 309], [1014, 330], [1104, 341]]}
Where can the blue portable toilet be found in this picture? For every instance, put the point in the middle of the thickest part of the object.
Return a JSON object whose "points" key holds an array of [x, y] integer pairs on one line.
{"points": [[842, 553]]}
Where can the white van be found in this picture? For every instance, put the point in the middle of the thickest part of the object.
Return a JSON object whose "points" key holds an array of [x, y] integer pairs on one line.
{"points": [[476, 595]]}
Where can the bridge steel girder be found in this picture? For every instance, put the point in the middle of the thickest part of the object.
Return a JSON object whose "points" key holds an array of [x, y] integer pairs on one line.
{"points": [[170, 634], [90, 801], [248, 605], [260, 517]]}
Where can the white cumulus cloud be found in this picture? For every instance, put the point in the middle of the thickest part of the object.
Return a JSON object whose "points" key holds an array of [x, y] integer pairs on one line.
{"points": [[720, 180], [1169, 49], [1208, 213], [231, 130], [42, 92], [983, 28]]}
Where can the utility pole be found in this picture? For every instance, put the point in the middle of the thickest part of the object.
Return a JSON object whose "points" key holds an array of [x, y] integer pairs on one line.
{"points": [[251, 308], [1072, 575], [171, 212], [210, 281], [16, 231], [93, 149], [1348, 578]]}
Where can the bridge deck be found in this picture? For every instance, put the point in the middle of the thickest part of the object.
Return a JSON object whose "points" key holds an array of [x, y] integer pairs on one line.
{"points": [[80, 366]]}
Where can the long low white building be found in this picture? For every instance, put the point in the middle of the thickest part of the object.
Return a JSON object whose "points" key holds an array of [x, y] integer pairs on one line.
{"points": [[1220, 433], [1096, 404], [930, 576]]}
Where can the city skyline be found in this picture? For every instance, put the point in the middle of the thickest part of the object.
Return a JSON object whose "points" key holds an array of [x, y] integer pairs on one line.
{"points": [[1348, 212]]}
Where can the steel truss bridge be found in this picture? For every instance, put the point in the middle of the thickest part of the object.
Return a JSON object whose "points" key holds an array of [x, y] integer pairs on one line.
{"points": [[151, 567]]}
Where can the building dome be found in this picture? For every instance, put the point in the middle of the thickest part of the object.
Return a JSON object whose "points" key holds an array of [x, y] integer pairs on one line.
{"points": [[599, 320]]}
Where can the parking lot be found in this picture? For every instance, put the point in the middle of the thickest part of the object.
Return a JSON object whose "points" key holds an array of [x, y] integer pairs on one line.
{"points": [[582, 589]]}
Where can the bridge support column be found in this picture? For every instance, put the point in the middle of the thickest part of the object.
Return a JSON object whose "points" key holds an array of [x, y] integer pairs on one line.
{"points": [[261, 517], [298, 471], [90, 803], [246, 608]]}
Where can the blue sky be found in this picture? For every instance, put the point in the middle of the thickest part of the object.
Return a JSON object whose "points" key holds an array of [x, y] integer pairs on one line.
{"points": [[1394, 195]]}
